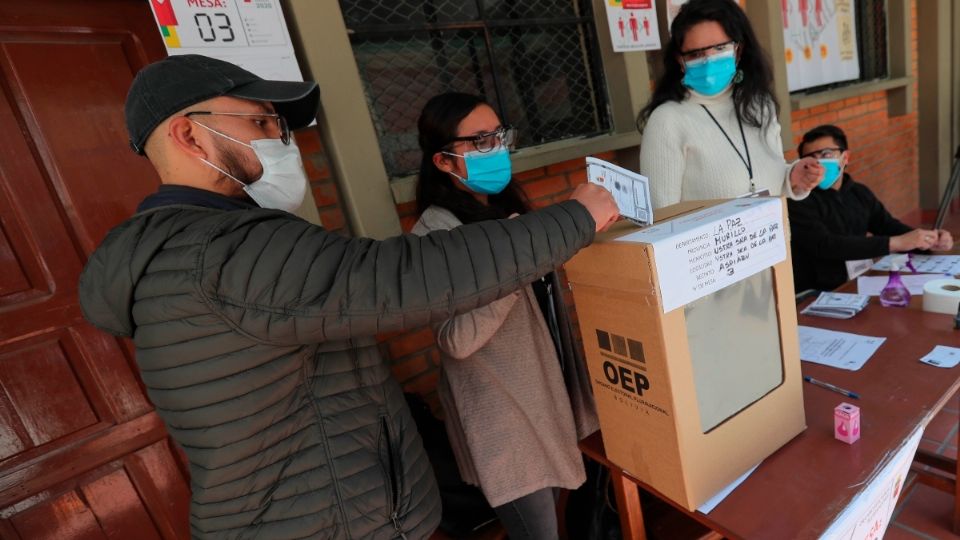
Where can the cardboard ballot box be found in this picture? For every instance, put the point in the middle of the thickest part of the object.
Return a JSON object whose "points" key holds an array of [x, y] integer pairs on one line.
{"points": [[690, 332]]}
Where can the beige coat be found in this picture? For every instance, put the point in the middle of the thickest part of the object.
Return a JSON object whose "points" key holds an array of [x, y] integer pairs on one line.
{"points": [[507, 411]]}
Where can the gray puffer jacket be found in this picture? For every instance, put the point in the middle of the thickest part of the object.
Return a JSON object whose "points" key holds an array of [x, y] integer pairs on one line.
{"points": [[254, 333]]}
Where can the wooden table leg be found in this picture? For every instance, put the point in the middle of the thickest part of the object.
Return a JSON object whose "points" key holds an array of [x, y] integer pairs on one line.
{"points": [[956, 492], [628, 505]]}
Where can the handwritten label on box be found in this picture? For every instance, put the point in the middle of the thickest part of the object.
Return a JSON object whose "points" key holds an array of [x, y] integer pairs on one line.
{"points": [[705, 251]]}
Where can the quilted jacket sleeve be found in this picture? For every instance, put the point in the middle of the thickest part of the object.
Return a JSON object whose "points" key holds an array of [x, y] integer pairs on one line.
{"points": [[282, 280]]}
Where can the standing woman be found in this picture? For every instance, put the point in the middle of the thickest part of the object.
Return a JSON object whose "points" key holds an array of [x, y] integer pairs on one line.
{"points": [[512, 422], [710, 131]]}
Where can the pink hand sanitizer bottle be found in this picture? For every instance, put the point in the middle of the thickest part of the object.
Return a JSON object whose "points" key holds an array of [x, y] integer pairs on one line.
{"points": [[895, 293]]}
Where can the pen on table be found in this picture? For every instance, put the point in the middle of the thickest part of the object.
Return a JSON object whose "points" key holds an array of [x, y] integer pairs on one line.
{"points": [[829, 386]]}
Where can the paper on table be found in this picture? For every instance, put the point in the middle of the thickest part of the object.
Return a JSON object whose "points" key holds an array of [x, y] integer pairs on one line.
{"points": [[925, 264], [837, 349], [872, 285], [712, 503], [942, 356]]}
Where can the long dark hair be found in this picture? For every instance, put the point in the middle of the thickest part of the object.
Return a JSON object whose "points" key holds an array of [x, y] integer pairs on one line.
{"points": [[751, 95], [438, 126]]}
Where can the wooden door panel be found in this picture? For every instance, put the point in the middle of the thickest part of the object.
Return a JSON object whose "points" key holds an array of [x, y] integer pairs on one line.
{"points": [[139, 496], [83, 148], [12, 277], [82, 453]]}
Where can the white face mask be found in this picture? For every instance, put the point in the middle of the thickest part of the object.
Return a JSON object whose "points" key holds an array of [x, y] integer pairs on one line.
{"points": [[283, 183]]}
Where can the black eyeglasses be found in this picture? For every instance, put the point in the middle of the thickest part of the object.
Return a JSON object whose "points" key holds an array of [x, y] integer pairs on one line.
{"points": [[700, 54], [825, 153], [261, 119], [485, 142]]}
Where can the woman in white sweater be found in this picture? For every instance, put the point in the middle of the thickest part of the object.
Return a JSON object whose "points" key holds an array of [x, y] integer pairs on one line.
{"points": [[710, 131]]}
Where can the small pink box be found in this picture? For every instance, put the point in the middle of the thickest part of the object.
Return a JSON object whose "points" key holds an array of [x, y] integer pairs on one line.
{"points": [[846, 423]]}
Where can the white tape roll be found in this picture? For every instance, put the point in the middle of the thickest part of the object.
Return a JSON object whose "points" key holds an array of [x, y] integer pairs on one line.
{"points": [[942, 296]]}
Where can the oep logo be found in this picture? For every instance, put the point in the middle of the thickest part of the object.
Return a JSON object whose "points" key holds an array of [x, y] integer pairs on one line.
{"points": [[626, 365]]}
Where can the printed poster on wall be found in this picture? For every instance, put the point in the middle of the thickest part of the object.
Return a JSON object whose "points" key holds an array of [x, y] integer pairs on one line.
{"points": [[633, 25], [249, 33], [820, 42]]}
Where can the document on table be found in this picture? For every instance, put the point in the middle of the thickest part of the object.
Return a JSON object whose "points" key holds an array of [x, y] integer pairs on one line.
{"points": [[942, 356], [837, 349], [712, 502], [925, 264], [872, 285]]}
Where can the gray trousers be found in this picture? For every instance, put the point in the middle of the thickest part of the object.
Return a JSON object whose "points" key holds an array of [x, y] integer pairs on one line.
{"points": [[531, 517]]}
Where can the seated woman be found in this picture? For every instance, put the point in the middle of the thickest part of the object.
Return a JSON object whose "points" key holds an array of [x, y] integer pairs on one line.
{"points": [[508, 412]]}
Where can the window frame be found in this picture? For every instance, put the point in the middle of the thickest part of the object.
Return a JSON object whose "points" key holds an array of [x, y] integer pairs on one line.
{"points": [[370, 195]]}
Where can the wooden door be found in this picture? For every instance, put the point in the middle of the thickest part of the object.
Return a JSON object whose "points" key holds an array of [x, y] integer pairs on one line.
{"points": [[82, 454]]}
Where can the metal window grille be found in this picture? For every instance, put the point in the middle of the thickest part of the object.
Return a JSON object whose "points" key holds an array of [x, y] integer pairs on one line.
{"points": [[872, 38], [871, 17], [537, 62]]}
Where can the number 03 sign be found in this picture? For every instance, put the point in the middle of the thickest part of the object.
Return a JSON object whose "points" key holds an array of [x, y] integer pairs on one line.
{"points": [[250, 33]]}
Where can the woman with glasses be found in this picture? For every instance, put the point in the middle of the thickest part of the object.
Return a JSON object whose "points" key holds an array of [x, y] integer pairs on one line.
{"points": [[509, 415], [710, 131]]}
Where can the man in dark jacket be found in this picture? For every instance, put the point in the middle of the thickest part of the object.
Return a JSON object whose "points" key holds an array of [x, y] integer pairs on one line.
{"points": [[255, 330], [829, 228]]}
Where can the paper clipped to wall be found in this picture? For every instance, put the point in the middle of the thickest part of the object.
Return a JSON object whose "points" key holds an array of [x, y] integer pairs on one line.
{"points": [[249, 33]]}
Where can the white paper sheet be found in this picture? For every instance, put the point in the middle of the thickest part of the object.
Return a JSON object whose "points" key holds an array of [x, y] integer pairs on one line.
{"points": [[942, 356], [630, 190], [925, 264], [714, 501], [868, 514], [837, 305], [872, 285], [704, 251], [837, 349]]}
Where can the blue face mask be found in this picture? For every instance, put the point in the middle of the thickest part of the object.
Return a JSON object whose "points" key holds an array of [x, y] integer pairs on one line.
{"points": [[487, 172], [711, 75], [831, 174]]}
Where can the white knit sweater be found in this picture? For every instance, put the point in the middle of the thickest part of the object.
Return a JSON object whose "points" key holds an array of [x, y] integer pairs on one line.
{"points": [[687, 157]]}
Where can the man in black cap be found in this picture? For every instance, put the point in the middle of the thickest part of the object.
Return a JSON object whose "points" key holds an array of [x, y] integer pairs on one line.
{"points": [[255, 330]]}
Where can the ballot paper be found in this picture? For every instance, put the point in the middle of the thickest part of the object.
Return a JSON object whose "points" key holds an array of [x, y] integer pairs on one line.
{"points": [[837, 349], [872, 285], [925, 264], [630, 190], [837, 305], [714, 501], [942, 356]]}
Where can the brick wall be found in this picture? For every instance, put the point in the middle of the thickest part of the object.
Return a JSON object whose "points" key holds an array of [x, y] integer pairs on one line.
{"points": [[322, 184], [883, 150]]}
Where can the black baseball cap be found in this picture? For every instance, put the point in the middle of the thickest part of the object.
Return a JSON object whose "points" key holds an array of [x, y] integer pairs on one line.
{"points": [[162, 88]]}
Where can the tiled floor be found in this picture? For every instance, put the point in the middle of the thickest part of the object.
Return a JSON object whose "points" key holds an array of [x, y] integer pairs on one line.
{"points": [[924, 512]]}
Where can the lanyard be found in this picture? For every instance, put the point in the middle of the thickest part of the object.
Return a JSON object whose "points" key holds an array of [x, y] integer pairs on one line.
{"points": [[746, 161]]}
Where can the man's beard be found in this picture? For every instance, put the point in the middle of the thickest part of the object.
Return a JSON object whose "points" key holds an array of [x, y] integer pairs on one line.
{"points": [[234, 163]]}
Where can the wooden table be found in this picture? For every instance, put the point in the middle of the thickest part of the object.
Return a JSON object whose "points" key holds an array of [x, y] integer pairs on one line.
{"points": [[799, 490]]}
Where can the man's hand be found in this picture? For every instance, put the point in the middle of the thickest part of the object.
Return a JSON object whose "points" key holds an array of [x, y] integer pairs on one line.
{"points": [[598, 202], [944, 241], [805, 175], [915, 239]]}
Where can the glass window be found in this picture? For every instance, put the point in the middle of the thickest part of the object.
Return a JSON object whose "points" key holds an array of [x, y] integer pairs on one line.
{"points": [[537, 62]]}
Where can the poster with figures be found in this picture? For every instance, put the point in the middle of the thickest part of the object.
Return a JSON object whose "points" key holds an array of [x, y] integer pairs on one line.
{"points": [[633, 25], [250, 33], [820, 42]]}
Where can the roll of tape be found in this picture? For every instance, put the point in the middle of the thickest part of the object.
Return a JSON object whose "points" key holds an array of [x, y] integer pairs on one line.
{"points": [[941, 296]]}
